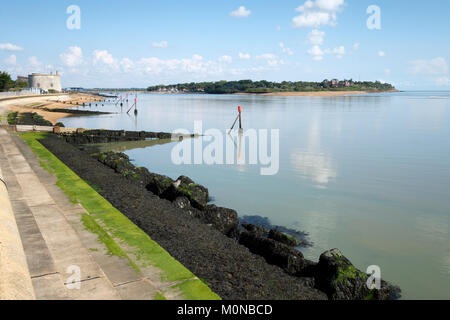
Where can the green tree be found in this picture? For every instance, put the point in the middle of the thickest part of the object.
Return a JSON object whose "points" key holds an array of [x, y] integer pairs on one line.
{"points": [[5, 81]]}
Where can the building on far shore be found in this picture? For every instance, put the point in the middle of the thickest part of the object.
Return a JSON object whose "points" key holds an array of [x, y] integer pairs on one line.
{"points": [[22, 79], [45, 82]]}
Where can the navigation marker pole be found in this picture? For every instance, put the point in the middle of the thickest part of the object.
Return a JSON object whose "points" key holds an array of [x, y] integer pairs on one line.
{"points": [[135, 107], [239, 116]]}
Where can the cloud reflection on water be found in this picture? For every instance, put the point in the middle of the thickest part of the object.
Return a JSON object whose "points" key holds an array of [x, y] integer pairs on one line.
{"points": [[311, 162]]}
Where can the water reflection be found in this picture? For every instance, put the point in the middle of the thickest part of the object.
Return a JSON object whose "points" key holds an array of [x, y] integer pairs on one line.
{"points": [[125, 145], [311, 162]]}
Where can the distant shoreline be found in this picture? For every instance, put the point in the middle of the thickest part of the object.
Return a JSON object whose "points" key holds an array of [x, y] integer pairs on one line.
{"points": [[286, 94], [305, 94], [313, 93]]}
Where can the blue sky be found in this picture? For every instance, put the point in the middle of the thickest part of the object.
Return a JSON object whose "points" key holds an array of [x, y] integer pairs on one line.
{"points": [[141, 43]]}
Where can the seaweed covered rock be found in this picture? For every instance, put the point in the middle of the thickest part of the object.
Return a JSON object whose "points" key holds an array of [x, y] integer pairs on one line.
{"points": [[259, 231], [223, 219], [182, 203], [160, 185], [276, 253], [282, 237], [27, 118], [340, 280], [186, 187], [121, 164]]}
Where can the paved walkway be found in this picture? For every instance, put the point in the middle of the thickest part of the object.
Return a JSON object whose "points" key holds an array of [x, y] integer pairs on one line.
{"points": [[57, 246]]}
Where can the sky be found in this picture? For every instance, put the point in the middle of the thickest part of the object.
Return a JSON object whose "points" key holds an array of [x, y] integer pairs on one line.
{"points": [[138, 43]]}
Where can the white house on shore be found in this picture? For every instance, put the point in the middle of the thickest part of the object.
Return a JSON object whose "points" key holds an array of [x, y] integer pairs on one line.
{"points": [[45, 82]]}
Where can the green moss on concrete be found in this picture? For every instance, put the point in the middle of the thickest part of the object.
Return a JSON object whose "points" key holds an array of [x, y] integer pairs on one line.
{"points": [[159, 296], [111, 225], [113, 249], [195, 290], [147, 251]]}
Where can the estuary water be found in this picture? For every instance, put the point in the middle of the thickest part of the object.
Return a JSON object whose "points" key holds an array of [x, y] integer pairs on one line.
{"points": [[368, 174]]}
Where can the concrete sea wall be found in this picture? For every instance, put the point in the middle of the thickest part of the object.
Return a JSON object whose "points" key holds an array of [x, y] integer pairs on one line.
{"points": [[15, 280]]}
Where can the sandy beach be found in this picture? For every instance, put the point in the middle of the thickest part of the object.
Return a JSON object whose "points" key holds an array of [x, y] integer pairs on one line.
{"points": [[38, 103]]}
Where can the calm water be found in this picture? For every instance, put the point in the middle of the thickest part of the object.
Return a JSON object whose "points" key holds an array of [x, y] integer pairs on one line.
{"points": [[367, 174]]}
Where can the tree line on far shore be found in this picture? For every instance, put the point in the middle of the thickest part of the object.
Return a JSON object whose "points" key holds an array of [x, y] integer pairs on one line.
{"points": [[249, 86], [7, 84]]}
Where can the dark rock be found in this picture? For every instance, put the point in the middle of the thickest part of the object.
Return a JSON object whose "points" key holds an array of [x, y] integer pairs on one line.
{"points": [[309, 282], [223, 219], [340, 280], [284, 238], [106, 136], [121, 164], [276, 253], [186, 187], [160, 185], [254, 229], [182, 202], [234, 233]]}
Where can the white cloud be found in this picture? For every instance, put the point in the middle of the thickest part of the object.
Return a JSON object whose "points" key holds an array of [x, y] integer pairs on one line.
{"points": [[72, 57], [381, 53], [244, 56], [241, 12], [387, 72], [318, 13], [162, 44], [226, 59], [437, 66], [9, 47], [356, 46], [316, 52], [316, 37], [34, 62], [339, 52], [103, 56], [278, 28], [286, 50], [194, 65], [127, 64], [271, 59], [12, 60]]}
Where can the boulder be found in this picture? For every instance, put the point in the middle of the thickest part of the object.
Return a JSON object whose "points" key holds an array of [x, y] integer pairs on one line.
{"points": [[223, 219], [185, 187], [282, 237], [340, 280], [160, 185], [182, 203], [276, 253], [121, 164], [254, 229]]}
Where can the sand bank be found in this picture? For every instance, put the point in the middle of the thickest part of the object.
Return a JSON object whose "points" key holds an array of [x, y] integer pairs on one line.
{"points": [[38, 103]]}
